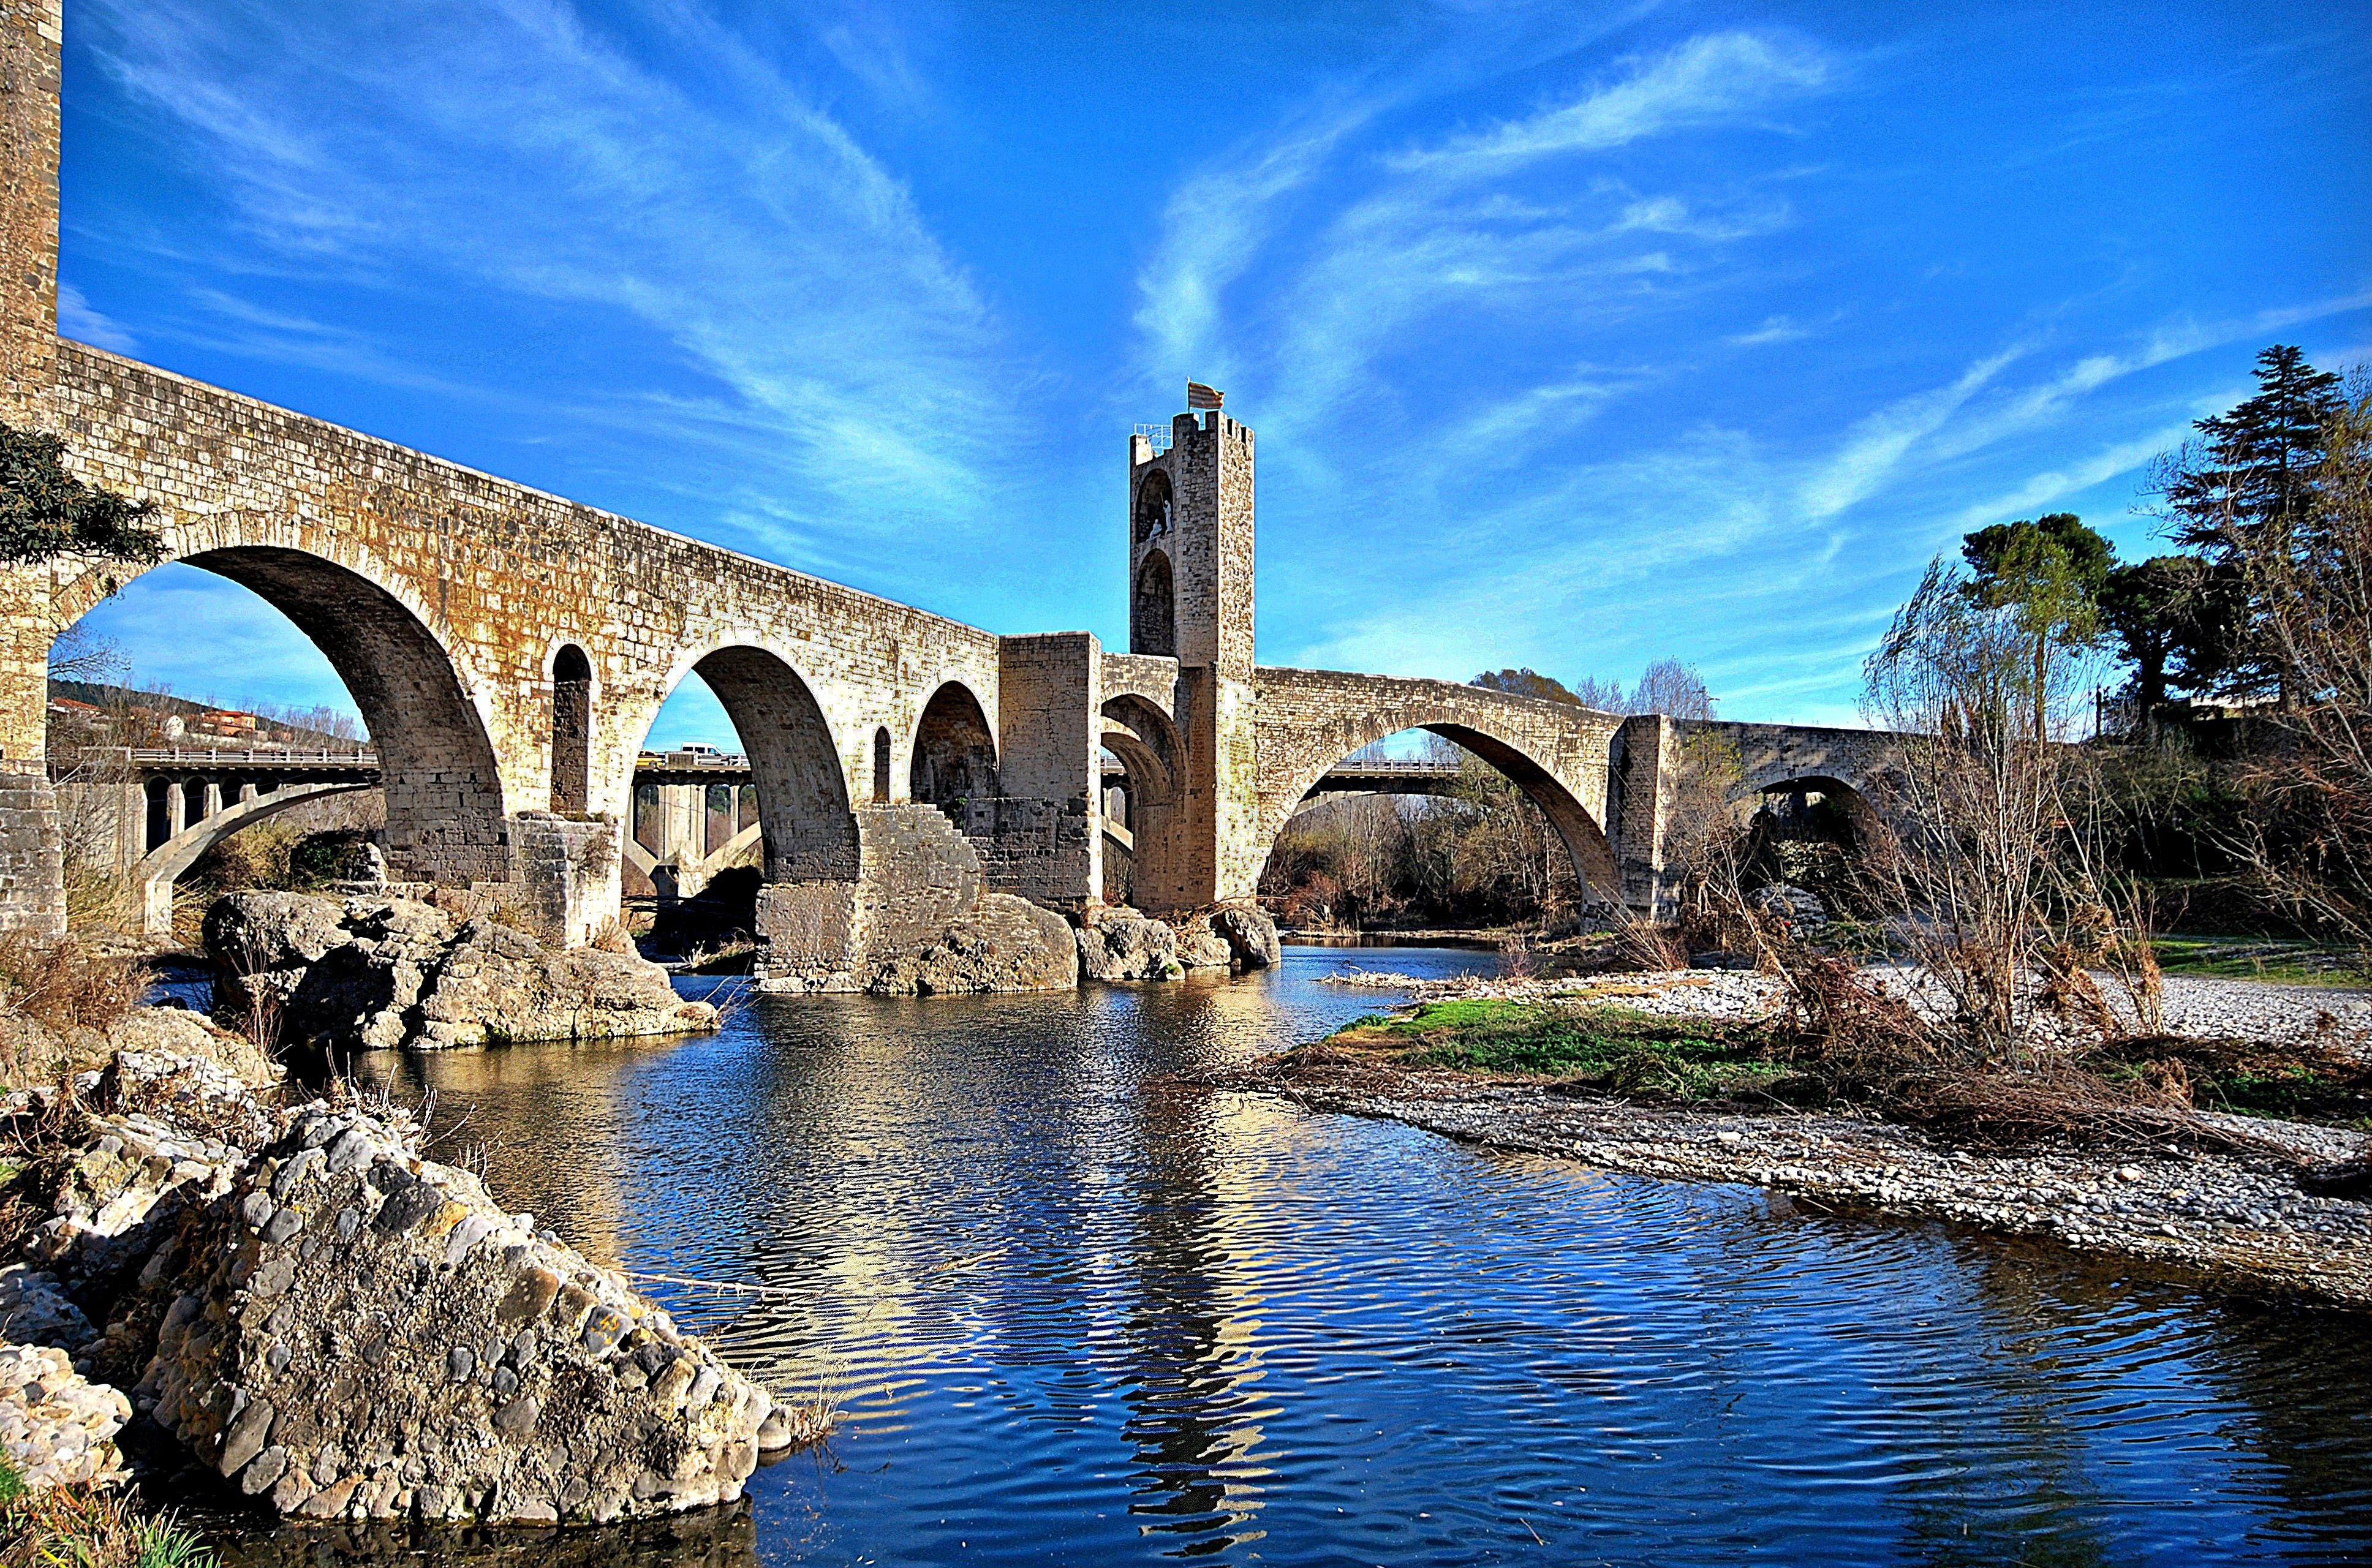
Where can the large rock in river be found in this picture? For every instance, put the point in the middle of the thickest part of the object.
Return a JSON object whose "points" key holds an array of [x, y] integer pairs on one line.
{"points": [[365, 1335], [1120, 944], [378, 973], [345, 1330]]}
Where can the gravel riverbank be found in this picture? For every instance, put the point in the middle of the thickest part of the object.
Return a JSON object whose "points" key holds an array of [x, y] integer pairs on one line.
{"points": [[2239, 1217]]}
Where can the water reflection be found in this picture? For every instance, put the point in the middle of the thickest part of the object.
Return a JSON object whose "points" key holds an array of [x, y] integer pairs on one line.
{"points": [[1078, 1310]]}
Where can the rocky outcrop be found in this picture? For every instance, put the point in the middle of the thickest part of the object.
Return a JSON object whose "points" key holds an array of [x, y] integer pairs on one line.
{"points": [[366, 1334], [344, 1329], [917, 916], [1123, 945], [58, 1428], [36, 1310], [1249, 934], [1007, 944], [379, 972], [39, 1057], [1790, 905]]}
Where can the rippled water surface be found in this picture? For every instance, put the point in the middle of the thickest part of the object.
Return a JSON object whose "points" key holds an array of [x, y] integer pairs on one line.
{"points": [[1076, 1310]]}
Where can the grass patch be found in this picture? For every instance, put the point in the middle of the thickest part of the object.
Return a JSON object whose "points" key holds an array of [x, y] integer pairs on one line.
{"points": [[2285, 960], [2308, 1080], [80, 1527], [1613, 1050], [1619, 1049]]}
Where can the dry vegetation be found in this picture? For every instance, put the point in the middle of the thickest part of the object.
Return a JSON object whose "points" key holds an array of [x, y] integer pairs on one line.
{"points": [[80, 1527]]}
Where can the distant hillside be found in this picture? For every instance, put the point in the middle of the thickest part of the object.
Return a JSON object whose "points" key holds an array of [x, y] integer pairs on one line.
{"points": [[302, 737]]}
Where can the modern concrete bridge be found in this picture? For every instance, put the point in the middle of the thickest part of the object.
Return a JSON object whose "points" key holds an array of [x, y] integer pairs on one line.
{"points": [[509, 650]]}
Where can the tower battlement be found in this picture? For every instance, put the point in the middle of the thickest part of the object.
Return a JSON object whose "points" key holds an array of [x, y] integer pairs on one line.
{"points": [[1190, 557]]}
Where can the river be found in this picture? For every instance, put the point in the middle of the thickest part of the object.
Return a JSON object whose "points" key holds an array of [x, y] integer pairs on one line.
{"points": [[1077, 1311]]}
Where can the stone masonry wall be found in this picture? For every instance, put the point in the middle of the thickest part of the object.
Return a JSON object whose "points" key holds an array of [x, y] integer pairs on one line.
{"points": [[1043, 839], [1640, 796], [31, 33], [1038, 849], [32, 888]]}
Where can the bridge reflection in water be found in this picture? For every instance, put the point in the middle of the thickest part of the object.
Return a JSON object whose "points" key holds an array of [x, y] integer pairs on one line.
{"points": [[1078, 1308]]}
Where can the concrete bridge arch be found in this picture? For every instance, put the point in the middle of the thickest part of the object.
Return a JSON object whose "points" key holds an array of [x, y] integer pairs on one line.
{"points": [[153, 876]]}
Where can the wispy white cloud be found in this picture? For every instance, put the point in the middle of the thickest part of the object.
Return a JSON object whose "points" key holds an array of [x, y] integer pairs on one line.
{"points": [[1880, 440], [1780, 329], [77, 321], [514, 147], [1706, 81], [2041, 490]]}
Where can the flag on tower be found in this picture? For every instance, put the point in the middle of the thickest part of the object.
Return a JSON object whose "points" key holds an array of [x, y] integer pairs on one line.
{"points": [[1198, 396]]}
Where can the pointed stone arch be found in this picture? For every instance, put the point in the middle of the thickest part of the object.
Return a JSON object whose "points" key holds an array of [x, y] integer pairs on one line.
{"points": [[804, 813]]}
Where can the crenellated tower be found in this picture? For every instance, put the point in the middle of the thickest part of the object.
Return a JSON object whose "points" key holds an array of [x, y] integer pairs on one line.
{"points": [[1190, 553], [1190, 558]]}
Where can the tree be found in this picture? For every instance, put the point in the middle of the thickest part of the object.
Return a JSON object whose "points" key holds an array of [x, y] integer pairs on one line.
{"points": [[1970, 794], [46, 511], [1526, 683], [2244, 488], [1672, 688], [2150, 608], [2046, 577], [2308, 579]]}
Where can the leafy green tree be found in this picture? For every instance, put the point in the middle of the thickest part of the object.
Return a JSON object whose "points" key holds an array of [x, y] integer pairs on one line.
{"points": [[2046, 576], [2150, 608], [2246, 487], [46, 511], [1526, 683]]}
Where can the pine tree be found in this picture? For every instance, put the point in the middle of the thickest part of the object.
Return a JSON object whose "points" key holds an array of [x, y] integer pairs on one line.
{"points": [[2141, 604], [2248, 485]]}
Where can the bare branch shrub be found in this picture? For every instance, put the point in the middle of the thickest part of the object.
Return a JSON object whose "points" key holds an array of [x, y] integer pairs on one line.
{"points": [[1973, 804], [68, 983]]}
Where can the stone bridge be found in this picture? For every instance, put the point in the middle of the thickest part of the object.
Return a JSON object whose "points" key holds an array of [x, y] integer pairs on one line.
{"points": [[509, 649]]}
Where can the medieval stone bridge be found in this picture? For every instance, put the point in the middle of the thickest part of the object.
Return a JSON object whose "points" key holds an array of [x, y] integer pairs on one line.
{"points": [[509, 650]]}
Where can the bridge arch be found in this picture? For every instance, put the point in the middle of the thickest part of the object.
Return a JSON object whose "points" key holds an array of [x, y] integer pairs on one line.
{"points": [[954, 751], [1145, 742], [154, 874], [804, 813], [1850, 795], [427, 720], [1476, 727]]}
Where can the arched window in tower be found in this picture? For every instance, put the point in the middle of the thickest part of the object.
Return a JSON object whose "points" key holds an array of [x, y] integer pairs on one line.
{"points": [[1153, 509], [1152, 611], [881, 767], [572, 729]]}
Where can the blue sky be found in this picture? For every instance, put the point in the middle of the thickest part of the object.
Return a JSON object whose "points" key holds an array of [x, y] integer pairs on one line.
{"points": [[1574, 336]]}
